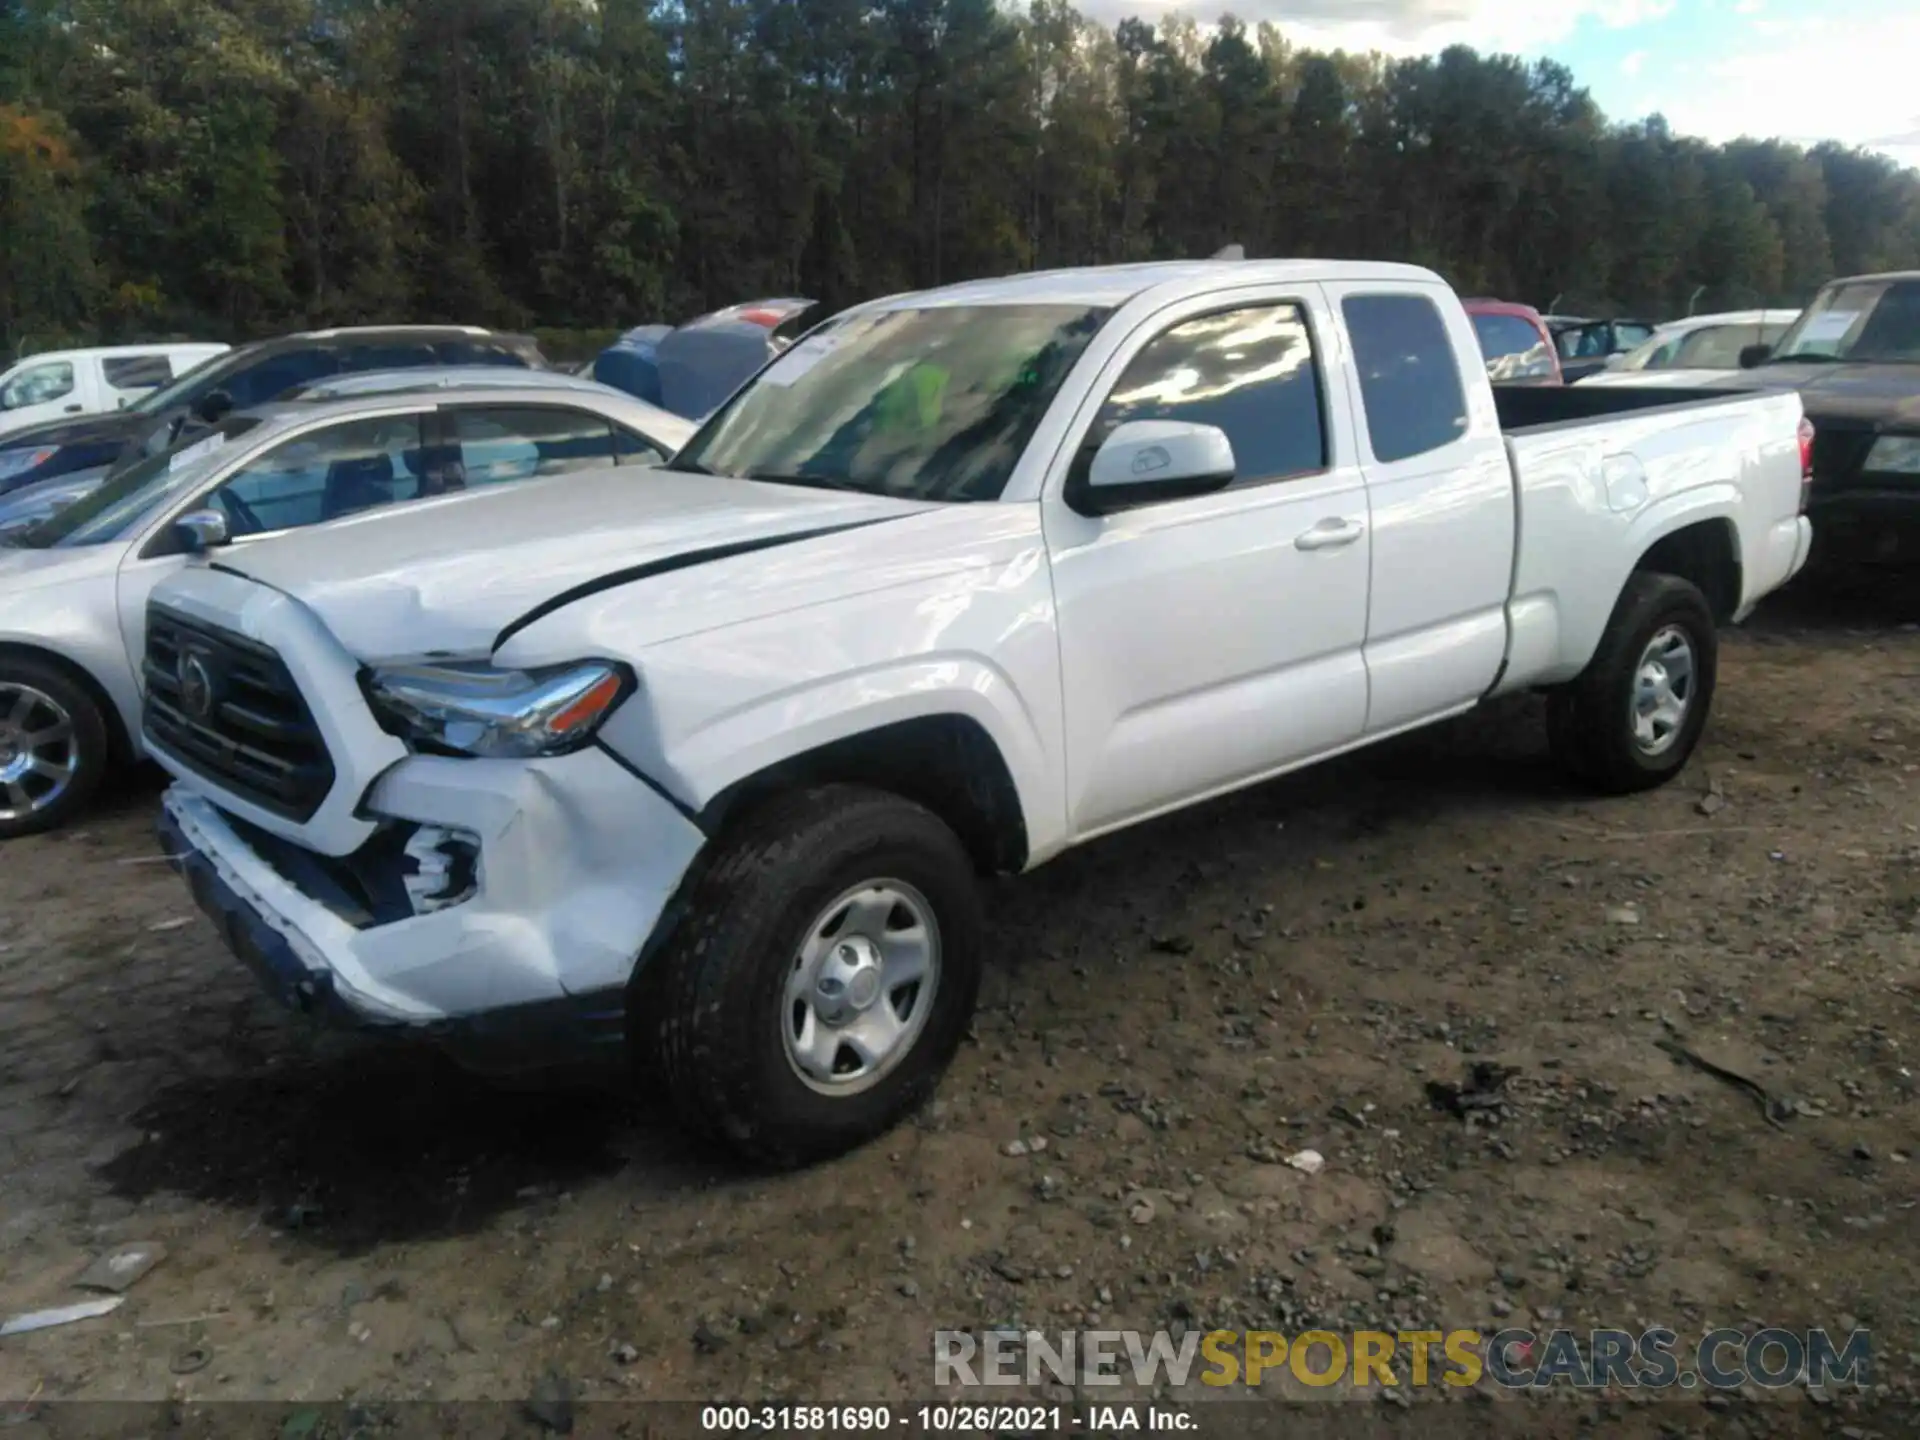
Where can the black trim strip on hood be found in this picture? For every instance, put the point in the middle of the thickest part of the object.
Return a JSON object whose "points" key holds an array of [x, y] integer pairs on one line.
{"points": [[684, 561]]}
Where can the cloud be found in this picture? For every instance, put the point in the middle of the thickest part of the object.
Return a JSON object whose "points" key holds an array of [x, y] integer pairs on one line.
{"points": [[1811, 80], [1401, 27], [1630, 65]]}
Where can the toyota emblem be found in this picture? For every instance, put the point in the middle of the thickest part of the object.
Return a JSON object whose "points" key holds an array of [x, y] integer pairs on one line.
{"points": [[196, 686]]}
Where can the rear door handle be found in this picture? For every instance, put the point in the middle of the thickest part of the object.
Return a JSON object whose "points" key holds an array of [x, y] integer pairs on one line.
{"points": [[73, 409], [1330, 534]]}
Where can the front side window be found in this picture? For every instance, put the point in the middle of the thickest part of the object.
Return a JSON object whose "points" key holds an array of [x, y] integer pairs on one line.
{"points": [[274, 376], [1409, 380], [1249, 371], [324, 475], [1625, 337], [37, 385], [136, 372], [499, 444], [935, 403], [1514, 349]]}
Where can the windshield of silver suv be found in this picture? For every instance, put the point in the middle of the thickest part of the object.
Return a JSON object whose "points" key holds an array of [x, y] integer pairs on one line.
{"points": [[928, 404], [1857, 321]]}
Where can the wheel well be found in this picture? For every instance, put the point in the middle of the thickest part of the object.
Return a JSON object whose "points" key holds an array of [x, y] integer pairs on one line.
{"points": [[109, 712], [1704, 553], [947, 763]]}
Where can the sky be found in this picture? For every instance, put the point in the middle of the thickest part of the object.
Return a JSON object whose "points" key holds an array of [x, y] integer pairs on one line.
{"points": [[1805, 70]]}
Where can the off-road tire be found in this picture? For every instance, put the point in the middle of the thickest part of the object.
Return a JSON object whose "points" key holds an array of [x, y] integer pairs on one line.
{"points": [[716, 999], [91, 740], [1589, 719]]}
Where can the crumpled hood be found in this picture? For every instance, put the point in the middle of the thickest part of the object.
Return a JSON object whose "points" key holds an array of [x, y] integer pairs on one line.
{"points": [[446, 576], [1883, 394]]}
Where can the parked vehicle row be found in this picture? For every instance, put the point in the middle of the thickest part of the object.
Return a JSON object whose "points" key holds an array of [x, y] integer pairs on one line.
{"points": [[58, 384], [238, 380], [703, 761], [1700, 350], [1853, 358], [74, 587]]}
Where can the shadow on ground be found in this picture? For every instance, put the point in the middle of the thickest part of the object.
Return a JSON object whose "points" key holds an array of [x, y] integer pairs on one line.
{"points": [[378, 1144]]}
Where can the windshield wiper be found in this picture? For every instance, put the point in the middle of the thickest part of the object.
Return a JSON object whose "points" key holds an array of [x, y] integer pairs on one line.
{"points": [[1810, 358], [687, 467]]}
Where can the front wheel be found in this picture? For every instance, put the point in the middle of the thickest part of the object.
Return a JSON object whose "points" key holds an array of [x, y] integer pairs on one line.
{"points": [[1631, 719], [54, 750], [824, 976]]}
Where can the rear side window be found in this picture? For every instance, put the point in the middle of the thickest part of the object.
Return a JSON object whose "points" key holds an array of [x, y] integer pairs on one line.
{"points": [[499, 444], [1514, 350], [1409, 380], [136, 372], [1249, 371]]}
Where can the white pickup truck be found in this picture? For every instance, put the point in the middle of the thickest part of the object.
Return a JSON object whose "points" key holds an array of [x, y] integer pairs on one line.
{"points": [[964, 578]]}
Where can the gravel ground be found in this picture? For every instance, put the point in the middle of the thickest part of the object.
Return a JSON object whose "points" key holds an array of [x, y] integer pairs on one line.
{"points": [[1168, 1013]]}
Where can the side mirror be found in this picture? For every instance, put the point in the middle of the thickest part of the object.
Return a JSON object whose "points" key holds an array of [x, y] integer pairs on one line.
{"points": [[1147, 460], [1752, 355], [214, 407], [201, 530]]}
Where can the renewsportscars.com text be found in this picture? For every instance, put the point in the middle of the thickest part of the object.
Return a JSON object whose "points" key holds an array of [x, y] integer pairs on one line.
{"points": [[1656, 1358]]}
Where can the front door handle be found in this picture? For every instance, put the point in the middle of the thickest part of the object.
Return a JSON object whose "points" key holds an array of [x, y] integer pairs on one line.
{"points": [[73, 409], [1329, 534]]}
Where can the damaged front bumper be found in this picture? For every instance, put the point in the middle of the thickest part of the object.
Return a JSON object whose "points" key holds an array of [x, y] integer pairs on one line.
{"points": [[499, 909]]}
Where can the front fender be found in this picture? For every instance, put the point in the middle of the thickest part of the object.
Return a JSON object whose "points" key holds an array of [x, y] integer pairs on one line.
{"points": [[696, 764]]}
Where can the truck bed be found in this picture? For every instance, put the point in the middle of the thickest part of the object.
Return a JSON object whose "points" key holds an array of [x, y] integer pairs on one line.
{"points": [[1528, 408]]}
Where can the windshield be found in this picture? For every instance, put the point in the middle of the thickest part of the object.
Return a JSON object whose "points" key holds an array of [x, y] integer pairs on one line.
{"points": [[119, 505], [929, 404], [186, 388], [1514, 348], [1858, 320]]}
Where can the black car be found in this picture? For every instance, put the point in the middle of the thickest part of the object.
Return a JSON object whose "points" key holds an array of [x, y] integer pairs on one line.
{"points": [[1854, 356], [237, 380]]}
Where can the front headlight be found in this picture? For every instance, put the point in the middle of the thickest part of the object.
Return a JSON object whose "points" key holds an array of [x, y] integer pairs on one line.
{"points": [[18, 462], [476, 709], [1895, 455]]}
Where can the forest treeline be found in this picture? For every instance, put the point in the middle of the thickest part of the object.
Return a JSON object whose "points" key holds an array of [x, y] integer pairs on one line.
{"points": [[232, 167]]}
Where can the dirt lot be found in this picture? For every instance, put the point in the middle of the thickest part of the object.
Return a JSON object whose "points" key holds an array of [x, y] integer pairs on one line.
{"points": [[1172, 1010]]}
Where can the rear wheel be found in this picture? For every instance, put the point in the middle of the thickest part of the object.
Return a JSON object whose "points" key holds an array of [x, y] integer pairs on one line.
{"points": [[1631, 719], [824, 976], [54, 750]]}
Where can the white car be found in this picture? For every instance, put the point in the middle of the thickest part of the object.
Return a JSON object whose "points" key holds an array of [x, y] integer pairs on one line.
{"points": [[59, 384], [961, 580], [73, 588], [1701, 350]]}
